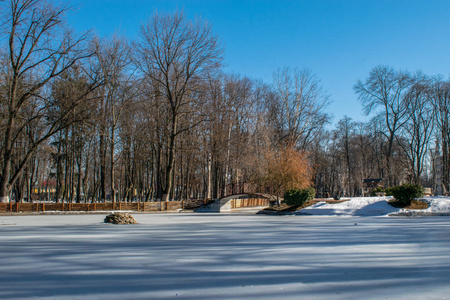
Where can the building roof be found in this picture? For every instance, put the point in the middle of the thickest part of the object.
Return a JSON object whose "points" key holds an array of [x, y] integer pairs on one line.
{"points": [[372, 180]]}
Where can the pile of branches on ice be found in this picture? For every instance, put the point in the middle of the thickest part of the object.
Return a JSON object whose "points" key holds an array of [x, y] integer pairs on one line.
{"points": [[120, 218]]}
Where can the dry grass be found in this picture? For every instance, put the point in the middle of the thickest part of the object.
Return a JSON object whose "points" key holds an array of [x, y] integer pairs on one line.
{"points": [[415, 204], [330, 201]]}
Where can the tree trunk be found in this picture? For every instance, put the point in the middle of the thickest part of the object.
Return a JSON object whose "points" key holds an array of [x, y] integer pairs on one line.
{"points": [[102, 167], [79, 179], [59, 170], [208, 187], [5, 187], [170, 160], [113, 188]]}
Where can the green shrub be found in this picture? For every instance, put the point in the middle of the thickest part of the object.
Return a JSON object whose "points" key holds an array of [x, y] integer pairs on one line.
{"points": [[388, 191], [405, 193], [297, 197]]}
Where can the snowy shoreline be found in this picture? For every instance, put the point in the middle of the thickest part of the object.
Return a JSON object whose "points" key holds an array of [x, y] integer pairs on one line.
{"points": [[377, 206]]}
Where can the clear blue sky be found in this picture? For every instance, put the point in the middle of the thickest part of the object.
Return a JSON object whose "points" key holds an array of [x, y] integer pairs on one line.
{"points": [[340, 41]]}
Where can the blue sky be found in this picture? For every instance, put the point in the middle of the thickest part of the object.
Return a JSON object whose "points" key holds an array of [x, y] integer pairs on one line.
{"points": [[340, 41]]}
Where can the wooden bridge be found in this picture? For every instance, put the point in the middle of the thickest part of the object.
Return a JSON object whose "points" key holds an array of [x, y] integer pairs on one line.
{"points": [[237, 202], [238, 188]]}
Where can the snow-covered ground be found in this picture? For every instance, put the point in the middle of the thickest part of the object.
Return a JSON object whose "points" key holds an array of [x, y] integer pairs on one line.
{"points": [[375, 206], [224, 256]]}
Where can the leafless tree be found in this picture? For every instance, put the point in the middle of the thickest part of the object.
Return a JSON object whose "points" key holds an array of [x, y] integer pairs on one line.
{"points": [[70, 96], [39, 49], [176, 56], [386, 89], [301, 103], [418, 130], [114, 59], [344, 135], [440, 99]]}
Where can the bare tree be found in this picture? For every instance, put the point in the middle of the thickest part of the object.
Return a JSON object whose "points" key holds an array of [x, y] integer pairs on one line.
{"points": [[301, 102], [440, 99], [344, 134], [386, 88], [39, 49], [114, 58], [176, 55], [418, 130], [70, 98]]}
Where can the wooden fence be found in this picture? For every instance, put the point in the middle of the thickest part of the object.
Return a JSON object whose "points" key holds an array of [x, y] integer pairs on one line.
{"points": [[133, 206]]}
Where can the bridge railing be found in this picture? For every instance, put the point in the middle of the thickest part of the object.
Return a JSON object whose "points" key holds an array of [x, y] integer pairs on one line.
{"points": [[250, 202], [235, 188]]}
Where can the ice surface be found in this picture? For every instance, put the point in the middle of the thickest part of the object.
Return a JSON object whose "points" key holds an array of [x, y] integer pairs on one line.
{"points": [[219, 256]]}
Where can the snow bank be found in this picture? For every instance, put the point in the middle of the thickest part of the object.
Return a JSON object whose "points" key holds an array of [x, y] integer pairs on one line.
{"points": [[368, 206], [375, 206], [439, 206]]}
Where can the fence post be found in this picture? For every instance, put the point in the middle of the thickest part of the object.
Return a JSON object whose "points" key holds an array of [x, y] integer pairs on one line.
{"points": [[17, 206], [43, 207]]}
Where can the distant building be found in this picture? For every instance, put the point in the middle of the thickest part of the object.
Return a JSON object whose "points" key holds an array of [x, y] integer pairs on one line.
{"points": [[369, 184], [46, 190]]}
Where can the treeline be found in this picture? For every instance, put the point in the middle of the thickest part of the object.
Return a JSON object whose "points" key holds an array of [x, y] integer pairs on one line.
{"points": [[90, 119], [406, 141]]}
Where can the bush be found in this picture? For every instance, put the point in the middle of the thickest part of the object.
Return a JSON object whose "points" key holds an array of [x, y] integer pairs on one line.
{"points": [[297, 197], [405, 193], [388, 191]]}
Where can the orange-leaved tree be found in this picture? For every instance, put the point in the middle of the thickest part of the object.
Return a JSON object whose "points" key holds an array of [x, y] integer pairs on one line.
{"points": [[287, 168]]}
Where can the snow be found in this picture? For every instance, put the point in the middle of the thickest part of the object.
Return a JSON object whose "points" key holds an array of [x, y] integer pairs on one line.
{"points": [[375, 206], [225, 256], [438, 205], [371, 206]]}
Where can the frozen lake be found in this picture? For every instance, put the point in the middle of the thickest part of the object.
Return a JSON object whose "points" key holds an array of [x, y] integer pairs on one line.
{"points": [[219, 256]]}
